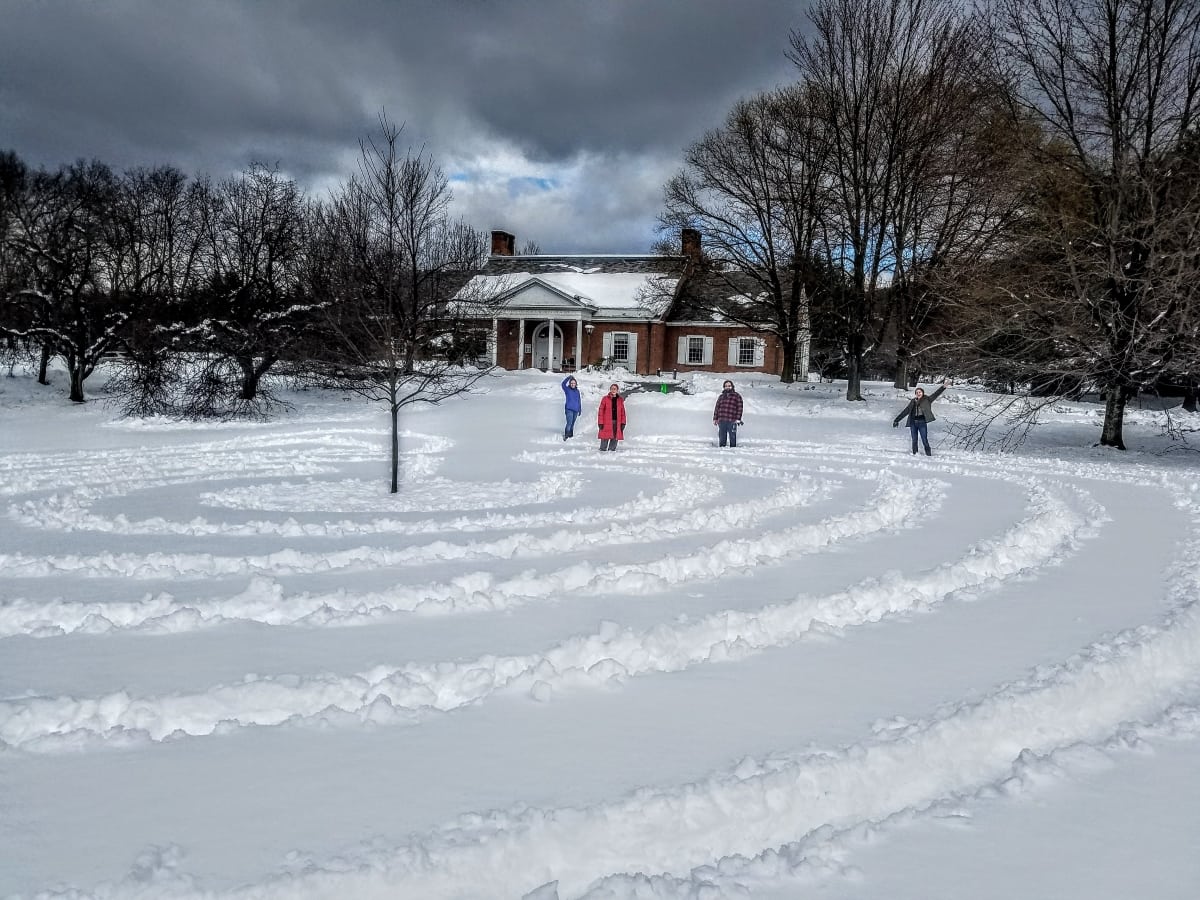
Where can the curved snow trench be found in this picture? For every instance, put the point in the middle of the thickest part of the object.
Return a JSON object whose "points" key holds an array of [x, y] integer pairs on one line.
{"points": [[718, 516], [687, 519], [765, 819], [395, 693], [894, 501]]}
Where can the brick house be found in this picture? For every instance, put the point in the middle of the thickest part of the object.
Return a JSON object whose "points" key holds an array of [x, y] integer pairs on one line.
{"points": [[646, 313]]}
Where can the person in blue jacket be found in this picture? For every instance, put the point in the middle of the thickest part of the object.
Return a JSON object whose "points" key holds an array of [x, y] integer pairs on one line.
{"points": [[574, 405]]}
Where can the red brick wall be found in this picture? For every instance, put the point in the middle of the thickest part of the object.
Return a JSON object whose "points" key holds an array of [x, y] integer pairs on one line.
{"points": [[506, 345], [772, 358], [641, 329]]}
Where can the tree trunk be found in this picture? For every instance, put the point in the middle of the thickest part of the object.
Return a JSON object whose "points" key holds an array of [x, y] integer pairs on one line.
{"points": [[902, 364], [249, 387], [1114, 419], [77, 378], [250, 379], [44, 367], [395, 449], [788, 375], [410, 357], [854, 368], [1189, 398]]}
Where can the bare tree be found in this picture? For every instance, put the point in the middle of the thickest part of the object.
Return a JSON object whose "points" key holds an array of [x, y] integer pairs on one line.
{"points": [[252, 310], [1003, 424], [156, 261], [1114, 85], [753, 189], [396, 270], [63, 246], [959, 197], [887, 74], [14, 185]]}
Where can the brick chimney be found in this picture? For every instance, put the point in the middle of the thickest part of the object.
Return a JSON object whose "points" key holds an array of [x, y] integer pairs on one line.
{"points": [[503, 243], [690, 239]]}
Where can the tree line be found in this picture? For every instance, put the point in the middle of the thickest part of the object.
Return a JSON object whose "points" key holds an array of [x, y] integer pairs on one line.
{"points": [[1009, 191], [201, 288], [196, 289]]}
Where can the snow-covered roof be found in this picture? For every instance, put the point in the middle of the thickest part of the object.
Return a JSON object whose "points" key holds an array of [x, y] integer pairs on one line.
{"points": [[604, 286], [601, 290]]}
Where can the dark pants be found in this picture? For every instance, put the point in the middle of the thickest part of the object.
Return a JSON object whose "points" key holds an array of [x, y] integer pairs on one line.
{"points": [[727, 431], [920, 427], [608, 444], [572, 415]]}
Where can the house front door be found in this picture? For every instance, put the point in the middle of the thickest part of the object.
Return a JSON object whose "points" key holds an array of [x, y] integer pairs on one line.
{"points": [[547, 355]]}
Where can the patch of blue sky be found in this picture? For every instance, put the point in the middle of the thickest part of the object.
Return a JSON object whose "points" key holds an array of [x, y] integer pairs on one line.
{"points": [[528, 184]]}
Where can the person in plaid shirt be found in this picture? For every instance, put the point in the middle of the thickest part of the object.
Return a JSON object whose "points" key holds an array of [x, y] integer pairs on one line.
{"points": [[727, 415]]}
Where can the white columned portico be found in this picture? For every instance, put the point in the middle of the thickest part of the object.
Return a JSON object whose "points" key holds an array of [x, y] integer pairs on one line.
{"points": [[521, 345]]}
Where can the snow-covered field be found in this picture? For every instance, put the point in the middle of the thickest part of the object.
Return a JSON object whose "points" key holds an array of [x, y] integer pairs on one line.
{"points": [[231, 665]]}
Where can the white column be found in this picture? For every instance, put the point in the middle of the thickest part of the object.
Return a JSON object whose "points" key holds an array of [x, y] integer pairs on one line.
{"points": [[521, 345], [578, 344], [550, 345], [805, 347], [495, 340]]}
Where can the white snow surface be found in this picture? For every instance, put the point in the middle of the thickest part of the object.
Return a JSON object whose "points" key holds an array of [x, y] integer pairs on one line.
{"points": [[233, 665]]}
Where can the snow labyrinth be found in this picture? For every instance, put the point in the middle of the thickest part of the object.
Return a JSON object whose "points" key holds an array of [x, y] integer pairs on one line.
{"points": [[686, 561]]}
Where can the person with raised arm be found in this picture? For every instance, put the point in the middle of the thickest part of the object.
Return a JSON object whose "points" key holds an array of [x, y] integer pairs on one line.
{"points": [[574, 405], [920, 414]]}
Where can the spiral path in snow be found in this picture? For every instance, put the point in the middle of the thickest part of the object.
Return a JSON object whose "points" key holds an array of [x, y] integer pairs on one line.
{"points": [[264, 589]]}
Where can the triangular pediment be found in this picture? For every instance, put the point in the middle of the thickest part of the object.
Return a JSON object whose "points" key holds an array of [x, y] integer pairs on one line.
{"points": [[533, 293]]}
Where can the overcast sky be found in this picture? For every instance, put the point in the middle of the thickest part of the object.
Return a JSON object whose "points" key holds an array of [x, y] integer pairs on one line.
{"points": [[557, 120]]}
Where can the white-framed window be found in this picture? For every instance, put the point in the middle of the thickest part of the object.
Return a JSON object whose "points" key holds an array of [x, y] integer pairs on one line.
{"points": [[621, 348], [747, 351], [695, 350]]}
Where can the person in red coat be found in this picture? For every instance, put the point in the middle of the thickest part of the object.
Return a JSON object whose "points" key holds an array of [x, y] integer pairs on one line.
{"points": [[610, 418]]}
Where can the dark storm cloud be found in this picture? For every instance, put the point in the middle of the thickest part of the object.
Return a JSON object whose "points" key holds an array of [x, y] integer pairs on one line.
{"points": [[202, 86], [565, 75], [559, 118]]}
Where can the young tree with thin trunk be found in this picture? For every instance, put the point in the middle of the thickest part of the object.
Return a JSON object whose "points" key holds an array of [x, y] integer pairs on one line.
{"points": [[395, 269]]}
